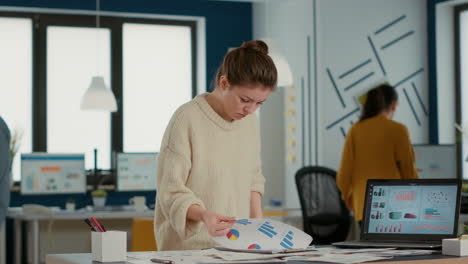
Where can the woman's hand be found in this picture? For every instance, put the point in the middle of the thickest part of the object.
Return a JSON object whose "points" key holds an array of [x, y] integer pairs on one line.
{"points": [[217, 225]]}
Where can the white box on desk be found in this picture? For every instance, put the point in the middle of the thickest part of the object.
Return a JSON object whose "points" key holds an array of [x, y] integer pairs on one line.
{"points": [[455, 247], [109, 246]]}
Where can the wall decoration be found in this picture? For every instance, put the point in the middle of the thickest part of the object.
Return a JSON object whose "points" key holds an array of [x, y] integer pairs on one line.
{"points": [[365, 77]]}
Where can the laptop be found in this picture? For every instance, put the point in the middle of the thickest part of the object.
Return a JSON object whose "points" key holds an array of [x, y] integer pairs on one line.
{"points": [[409, 213]]}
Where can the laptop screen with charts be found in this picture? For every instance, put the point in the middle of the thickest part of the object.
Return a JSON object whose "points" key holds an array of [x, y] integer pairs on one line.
{"points": [[412, 213]]}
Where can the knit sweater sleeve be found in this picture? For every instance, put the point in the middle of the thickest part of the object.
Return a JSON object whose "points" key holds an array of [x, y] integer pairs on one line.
{"points": [[174, 166], [258, 181]]}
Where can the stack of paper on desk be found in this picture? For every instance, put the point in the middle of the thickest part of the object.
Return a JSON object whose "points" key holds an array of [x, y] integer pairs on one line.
{"points": [[327, 255], [237, 256], [321, 254], [338, 258], [264, 236], [208, 256], [262, 241]]}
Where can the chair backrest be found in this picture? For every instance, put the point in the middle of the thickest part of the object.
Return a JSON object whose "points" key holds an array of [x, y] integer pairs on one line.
{"points": [[325, 215], [142, 238]]}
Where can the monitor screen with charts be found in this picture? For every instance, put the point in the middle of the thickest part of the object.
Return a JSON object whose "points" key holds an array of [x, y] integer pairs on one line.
{"points": [[136, 171], [436, 161], [419, 208], [47, 173]]}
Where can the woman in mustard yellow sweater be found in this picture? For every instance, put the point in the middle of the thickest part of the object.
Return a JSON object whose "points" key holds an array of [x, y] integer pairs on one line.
{"points": [[376, 148]]}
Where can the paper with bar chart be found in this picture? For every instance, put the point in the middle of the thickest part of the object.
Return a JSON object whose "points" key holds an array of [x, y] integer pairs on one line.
{"points": [[412, 209], [263, 234]]}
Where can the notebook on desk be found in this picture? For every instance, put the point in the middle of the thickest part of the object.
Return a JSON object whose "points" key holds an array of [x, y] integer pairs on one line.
{"points": [[409, 213]]}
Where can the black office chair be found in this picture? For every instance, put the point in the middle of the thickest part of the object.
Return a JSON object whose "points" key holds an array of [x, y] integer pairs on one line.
{"points": [[324, 214]]}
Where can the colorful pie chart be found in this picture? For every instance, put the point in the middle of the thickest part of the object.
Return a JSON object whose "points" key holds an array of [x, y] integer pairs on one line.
{"points": [[233, 234], [254, 246]]}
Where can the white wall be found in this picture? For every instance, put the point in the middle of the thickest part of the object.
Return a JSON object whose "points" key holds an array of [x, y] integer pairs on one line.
{"points": [[341, 31], [273, 138], [348, 29], [446, 70], [289, 24]]}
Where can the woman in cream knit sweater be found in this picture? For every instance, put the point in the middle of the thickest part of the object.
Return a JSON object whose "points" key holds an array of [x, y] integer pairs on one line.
{"points": [[209, 168]]}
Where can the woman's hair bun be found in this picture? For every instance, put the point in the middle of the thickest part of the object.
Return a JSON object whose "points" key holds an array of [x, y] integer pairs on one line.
{"points": [[257, 45]]}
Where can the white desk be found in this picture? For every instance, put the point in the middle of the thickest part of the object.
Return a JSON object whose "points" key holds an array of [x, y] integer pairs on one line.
{"points": [[85, 258], [71, 258], [19, 216]]}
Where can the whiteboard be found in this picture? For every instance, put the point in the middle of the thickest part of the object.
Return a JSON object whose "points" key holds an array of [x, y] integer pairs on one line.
{"points": [[436, 161]]}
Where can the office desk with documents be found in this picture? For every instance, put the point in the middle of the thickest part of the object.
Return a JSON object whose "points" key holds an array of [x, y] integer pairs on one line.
{"points": [[33, 219], [145, 257]]}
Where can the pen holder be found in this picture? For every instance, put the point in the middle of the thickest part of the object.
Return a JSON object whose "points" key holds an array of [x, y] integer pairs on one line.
{"points": [[455, 247], [110, 246]]}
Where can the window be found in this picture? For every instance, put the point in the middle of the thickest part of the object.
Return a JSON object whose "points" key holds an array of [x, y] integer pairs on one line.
{"points": [[16, 82], [69, 129], [150, 64], [157, 80]]}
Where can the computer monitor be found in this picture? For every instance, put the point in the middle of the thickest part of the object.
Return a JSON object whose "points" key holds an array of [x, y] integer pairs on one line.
{"points": [[436, 161], [47, 173], [136, 171]]}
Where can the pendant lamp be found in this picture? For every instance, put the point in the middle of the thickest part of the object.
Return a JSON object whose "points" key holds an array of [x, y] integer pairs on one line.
{"points": [[98, 96]]}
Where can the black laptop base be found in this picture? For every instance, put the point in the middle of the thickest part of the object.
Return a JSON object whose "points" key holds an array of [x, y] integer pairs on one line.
{"points": [[387, 244]]}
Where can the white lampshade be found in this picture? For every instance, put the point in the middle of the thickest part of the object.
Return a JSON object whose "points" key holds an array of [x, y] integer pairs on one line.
{"points": [[98, 96], [285, 77]]}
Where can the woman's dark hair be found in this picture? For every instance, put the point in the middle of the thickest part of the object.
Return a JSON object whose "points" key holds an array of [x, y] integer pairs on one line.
{"points": [[378, 99], [249, 64]]}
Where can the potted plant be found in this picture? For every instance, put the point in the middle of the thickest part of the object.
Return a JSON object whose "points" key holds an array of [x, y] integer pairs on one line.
{"points": [[464, 187], [99, 198]]}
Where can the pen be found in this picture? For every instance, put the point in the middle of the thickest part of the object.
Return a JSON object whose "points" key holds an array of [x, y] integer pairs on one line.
{"points": [[162, 261], [95, 228], [96, 223], [89, 223]]}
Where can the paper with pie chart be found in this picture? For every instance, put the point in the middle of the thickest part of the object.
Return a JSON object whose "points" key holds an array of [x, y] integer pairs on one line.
{"points": [[263, 234]]}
